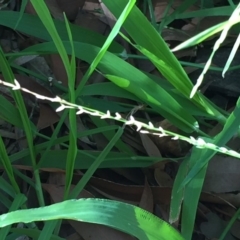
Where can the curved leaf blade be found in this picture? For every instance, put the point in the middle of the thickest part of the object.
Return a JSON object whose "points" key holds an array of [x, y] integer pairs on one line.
{"points": [[121, 216]]}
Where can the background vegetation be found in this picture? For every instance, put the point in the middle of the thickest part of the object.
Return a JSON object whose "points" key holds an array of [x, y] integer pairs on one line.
{"points": [[99, 103]]}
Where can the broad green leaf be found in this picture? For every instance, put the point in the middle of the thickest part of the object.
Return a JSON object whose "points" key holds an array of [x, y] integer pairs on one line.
{"points": [[32, 25], [121, 216], [84, 159], [107, 89], [216, 11], [149, 92]]}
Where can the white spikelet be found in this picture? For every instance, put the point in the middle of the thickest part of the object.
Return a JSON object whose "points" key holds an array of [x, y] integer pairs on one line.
{"points": [[107, 115], [150, 125], [80, 110], [131, 121], [118, 116], [17, 85], [59, 109]]}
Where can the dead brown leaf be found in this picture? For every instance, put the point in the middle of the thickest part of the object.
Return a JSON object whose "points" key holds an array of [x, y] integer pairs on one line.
{"points": [[160, 6], [90, 21], [222, 175], [47, 117], [150, 146], [70, 7], [95, 232], [32, 85], [58, 68], [146, 201], [168, 146], [162, 178]]}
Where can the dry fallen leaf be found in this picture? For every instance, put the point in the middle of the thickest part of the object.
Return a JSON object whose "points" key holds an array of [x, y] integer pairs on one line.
{"points": [[160, 7], [146, 201], [214, 227], [168, 146], [150, 146], [162, 178], [222, 175], [47, 117]]}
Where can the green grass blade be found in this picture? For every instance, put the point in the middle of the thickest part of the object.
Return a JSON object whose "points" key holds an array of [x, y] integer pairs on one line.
{"points": [[120, 145], [127, 9], [18, 201], [7, 166], [72, 150], [48, 229], [216, 11], [192, 193], [230, 224], [121, 216], [229, 130], [70, 67], [7, 187], [45, 16], [177, 195], [86, 177], [8, 74], [10, 113], [182, 8], [21, 12], [231, 56], [194, 181], [200, 37]]}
